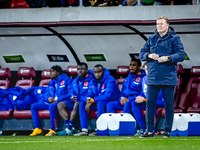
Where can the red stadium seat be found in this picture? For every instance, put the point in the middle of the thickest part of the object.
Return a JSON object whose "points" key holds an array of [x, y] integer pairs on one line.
{"points": [[26, 72], [72, 71], [192, 93], [121, 71], [5, 73], [178, 89], [45, 75], [19, 4]]}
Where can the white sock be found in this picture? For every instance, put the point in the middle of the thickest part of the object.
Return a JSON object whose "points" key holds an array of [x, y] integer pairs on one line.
{"points": [[67, 130], [85, 130]]}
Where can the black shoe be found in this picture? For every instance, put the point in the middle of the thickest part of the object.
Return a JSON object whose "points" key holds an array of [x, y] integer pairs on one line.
{"points": [[146, 135], [166, 135]]}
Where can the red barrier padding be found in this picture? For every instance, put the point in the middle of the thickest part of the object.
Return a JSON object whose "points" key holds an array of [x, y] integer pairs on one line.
{"points": [[6, 114], [92, 114], [22, 114], [44, 114]]}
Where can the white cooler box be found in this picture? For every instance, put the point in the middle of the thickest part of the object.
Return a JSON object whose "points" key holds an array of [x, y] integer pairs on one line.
{"points": [[121, 124], [174, 131], [189, 125], [102, 124]]}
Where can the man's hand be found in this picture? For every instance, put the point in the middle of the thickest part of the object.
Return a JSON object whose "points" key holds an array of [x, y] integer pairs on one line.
{"points": [[139, 99], [74, 98], [88, 104], [163, 59], [50, 99], [123, 100], [153, 56]]}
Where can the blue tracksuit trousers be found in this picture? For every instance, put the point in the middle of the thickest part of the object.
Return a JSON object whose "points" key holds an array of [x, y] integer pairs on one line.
{"points": [[112, 106], [42, 106], [69, 104], [99, 106], [168, 96]]}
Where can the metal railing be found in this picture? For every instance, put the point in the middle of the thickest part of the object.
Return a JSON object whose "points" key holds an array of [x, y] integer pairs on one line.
{"points": [[139, 2]]}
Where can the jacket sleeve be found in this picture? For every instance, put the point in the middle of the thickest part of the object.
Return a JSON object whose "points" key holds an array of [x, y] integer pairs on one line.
{"points": [[124, 86], [47, 93], [72, 93], [67, 94], [145, 51], [91, 91], [109, 91], [179, 53]]}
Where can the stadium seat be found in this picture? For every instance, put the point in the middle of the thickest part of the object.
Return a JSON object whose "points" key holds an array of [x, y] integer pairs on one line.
{"points": [[45, 75], [26, 72], [122, 72], [5, 73], [71, 71], [178, 89], [192, 93], [19, 4]]}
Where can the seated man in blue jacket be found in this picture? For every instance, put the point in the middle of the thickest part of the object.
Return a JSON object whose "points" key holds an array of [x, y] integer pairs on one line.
{"points": [[131, 88], [140, 103], [78, 92], [102, 90], [57, 91]]}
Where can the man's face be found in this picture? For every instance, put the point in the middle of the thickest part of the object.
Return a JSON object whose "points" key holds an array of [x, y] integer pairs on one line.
{"points": [[162, 26], [98, 73], [134, 68], [54, 74], [82, 71]]}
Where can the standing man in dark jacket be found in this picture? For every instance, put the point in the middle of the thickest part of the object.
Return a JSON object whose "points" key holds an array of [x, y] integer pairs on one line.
{"points": [[162, 51]]}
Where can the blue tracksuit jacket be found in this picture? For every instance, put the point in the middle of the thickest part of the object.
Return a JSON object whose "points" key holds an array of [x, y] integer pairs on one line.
{"points": [[8, 97], [132, 86], [63, 88], [80, 86], [105, 90]]}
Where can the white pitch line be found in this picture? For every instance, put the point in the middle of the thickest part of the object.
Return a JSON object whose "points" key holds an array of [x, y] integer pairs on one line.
{"points": [[28, 142]]}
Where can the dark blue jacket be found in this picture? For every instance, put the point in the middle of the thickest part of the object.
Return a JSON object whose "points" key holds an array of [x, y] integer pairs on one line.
{"points": [[80, 86], [132, 86], [168, 45], [63, 88], [105, 90]]}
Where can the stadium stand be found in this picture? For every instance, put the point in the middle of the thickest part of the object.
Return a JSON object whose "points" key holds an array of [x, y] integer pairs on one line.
{"points": [[19, 4], [45, 75], [5, 73], [26, 72]]}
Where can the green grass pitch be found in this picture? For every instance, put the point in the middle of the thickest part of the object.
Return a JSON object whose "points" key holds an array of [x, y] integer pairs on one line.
{"points": [[98, 143]]}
